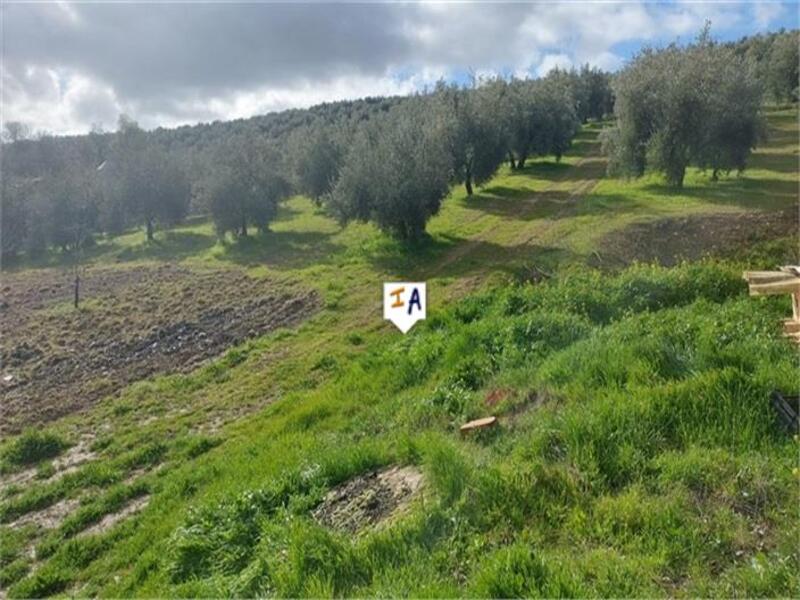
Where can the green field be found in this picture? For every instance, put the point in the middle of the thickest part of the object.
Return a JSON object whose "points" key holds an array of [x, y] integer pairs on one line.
{"points": [[636, 454]]}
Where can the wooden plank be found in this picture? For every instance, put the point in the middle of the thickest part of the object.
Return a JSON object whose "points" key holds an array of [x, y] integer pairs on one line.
{"points": [[791, 326], [795, 337], [758, 277], [796, 306], [791, 286], [479, 424], [793, 269]]}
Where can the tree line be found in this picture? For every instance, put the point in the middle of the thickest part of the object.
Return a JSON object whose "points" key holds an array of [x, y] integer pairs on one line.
{"points": [[391, 161]]}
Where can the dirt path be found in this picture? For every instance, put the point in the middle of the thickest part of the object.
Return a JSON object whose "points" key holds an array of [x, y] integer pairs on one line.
{"points": [[587, 172]]}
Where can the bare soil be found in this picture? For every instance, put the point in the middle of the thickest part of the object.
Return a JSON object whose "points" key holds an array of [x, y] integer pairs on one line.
{"points": [[134, 322], [369, 499], [111, 519], [668, 241], [50, 517]]}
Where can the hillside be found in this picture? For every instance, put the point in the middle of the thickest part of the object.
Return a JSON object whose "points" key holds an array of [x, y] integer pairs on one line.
{"points": [[636, 453]]}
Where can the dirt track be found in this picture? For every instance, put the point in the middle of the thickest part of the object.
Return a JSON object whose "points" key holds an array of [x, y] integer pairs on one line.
{"points": [[134, 323]]}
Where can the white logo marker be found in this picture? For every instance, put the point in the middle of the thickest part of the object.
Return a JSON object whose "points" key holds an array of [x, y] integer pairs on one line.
{"points": [[404, 303]]}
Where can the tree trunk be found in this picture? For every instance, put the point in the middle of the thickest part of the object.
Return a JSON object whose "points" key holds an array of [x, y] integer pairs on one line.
{"points": [[511, 161], [468, 185], [675, 174], [149, 226], [77, 290], [243, 230], [521, 162]]}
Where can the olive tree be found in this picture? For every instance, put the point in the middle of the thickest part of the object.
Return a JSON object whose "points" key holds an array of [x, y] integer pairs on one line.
{"points": [[246, 187], [472, 134], [681, 106], [396, 173], [783, 67], [596, 94], [315, 155], [149, 184], [538, 116], [520, 124], [555, 120]]}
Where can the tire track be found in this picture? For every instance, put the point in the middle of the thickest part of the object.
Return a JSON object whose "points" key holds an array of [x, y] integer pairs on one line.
{"points": [[584, 186]]}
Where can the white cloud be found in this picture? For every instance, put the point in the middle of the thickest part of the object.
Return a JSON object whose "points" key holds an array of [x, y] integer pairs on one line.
{"points": [[67, 66], [608, 61], [553, 61], [58, 101], [766, 12]]}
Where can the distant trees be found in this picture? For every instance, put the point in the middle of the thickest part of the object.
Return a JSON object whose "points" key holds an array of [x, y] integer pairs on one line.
{"points": [[246, 187], [774, 56], [540, 117], [390, 160], [593, 93], [676, 107], [396, 173], [59, 192], [555, 118], [14, 131], [14, 215], [72, 209]]}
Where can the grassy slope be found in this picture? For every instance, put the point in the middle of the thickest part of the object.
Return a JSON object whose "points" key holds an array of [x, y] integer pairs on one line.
{"points": [[622, 480]]}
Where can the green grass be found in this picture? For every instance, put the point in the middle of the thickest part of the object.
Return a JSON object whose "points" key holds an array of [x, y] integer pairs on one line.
{"points": [[637, 454], [648, 460], [31, 447]]}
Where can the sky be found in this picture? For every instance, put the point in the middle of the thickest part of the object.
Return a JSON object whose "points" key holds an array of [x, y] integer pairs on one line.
{"points": [[69, 66]]}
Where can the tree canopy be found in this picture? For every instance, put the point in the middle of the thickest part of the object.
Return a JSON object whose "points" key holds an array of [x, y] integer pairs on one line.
{"points": [[396, 173], [680, 106]]}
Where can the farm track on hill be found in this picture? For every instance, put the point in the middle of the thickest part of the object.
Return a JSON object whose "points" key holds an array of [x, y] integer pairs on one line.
{"points": [[587, 173]]}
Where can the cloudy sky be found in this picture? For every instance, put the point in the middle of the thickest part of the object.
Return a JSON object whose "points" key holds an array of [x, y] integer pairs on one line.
{"points": [[66, 66]]}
